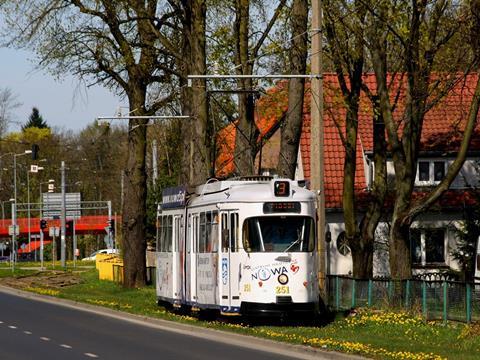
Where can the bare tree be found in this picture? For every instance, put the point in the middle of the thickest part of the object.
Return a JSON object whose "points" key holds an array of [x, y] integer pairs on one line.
{"points": [[8, 102], [245, 57], [292, 128], [121, 45], [345, 24], [426, 40]]}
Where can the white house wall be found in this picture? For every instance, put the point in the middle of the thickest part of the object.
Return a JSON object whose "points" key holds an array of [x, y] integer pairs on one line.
{"points": [[338, 264], [469, 175]]}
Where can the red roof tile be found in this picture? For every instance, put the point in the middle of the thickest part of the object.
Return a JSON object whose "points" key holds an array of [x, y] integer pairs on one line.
{"points": [[442, 128]]}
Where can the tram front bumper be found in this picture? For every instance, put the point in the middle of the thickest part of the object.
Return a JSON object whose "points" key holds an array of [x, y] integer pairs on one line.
{"points": [[279, 309]]}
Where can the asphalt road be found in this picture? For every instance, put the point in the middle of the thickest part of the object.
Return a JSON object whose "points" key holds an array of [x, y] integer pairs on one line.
{"points": [[31, 329]]}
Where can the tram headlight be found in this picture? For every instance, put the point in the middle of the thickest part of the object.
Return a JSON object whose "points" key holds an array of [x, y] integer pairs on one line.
{"points": [[283, 279]]}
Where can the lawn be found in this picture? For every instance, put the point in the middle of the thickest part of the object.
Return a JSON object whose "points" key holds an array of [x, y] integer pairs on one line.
{"points": [[375, 334]]}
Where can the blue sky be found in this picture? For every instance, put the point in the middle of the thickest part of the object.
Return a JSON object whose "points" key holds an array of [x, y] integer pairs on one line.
{"points": [[64, 104]]}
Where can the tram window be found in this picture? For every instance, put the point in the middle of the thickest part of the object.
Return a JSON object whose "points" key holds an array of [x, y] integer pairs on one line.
{"points": [[176, 246], [278, 234], [251, 236], [202, 238], [195, 234], [213, 238], [208, 232], [159, 233], [165, 234], [168, 234], [233, 232], [225, 233], [163, 245]]}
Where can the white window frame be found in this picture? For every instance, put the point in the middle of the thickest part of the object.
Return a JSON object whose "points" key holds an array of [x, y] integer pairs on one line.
{"points": [[431, 173]]}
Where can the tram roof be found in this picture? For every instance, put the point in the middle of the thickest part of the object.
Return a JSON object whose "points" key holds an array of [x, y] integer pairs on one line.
{"points": [[250, 190]]}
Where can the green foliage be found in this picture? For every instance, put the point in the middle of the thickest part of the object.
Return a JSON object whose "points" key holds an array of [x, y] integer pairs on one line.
{"points": [[35, 120], [467, 236], [169, 138]]}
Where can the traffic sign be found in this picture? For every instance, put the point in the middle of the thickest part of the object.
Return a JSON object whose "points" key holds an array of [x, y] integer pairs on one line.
{"points": [[10, 230], [54, 231]]}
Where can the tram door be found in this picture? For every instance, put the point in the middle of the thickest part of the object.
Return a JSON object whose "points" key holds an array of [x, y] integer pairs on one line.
{"points": [[178, 256], [230, 261], [190, 263]]}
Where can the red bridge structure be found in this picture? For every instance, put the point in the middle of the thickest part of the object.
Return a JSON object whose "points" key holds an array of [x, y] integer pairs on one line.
{"points": [[94, 224]]}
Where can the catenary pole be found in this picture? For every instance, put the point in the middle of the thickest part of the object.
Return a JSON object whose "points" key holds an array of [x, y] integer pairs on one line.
{"points": [[63, 215], [316, 145]]}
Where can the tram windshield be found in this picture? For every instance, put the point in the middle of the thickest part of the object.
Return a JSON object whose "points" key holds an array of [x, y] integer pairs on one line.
{"points": [[279, 234]]}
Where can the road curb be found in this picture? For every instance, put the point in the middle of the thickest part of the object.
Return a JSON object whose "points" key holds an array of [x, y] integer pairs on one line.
{"points": [[294, 351]]}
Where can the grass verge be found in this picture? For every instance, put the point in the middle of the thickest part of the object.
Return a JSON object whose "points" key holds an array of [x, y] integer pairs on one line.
{"points": [[374, 334]]}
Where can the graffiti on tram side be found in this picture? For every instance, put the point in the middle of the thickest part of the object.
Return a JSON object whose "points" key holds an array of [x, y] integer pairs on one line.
{"points": [[207, 278]]}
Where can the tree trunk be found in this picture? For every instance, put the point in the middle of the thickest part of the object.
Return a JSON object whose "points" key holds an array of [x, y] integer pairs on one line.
{"points": [[246, 134], [135, 194], [201, 152], [372, 217], [196, 149], [362, 249], [399, 249], [362, 258], [291, 130]]}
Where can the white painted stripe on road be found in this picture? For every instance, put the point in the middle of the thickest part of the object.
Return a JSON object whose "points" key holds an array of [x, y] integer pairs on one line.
{"points": [[91, 355], [66, 346], [27, 332], [12, 327], [44, 338]]}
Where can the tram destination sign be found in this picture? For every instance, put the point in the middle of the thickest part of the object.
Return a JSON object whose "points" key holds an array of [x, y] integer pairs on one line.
{"points": [[174, 197], [282, 207]]}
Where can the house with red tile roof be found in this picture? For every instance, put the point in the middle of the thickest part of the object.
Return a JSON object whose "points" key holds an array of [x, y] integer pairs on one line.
{"points": [[432, 233]]}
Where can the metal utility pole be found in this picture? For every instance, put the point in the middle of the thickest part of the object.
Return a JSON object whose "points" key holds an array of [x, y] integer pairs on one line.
{"points": [[63, 215], [28, 214], [14, 207], [14, 225], [74, 243], [110, 230], [316, 142]]}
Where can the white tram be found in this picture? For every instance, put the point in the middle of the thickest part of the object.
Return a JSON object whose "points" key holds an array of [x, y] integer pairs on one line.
{"points": [[242, 246]]}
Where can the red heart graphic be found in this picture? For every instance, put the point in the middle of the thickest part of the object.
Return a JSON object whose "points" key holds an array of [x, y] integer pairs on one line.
{"points": [[294, 268]]}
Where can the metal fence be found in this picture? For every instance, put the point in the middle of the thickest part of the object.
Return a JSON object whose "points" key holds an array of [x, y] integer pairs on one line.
{"points": [[118, 274], [436, 300]]}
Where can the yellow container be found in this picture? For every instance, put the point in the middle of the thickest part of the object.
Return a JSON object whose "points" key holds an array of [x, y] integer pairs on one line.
{"points": [[104, 264]]}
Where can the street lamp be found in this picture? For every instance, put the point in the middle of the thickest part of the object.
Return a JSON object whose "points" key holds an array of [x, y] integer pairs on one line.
{"points": [[14, 213], [33, 169]]}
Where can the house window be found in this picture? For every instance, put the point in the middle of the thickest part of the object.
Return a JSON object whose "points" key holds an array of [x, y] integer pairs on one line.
{"points": [[427, 246], [435, 245], [424, 171], [438, 170], [416, 245], [430, 172]]}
